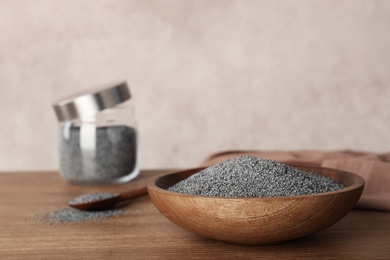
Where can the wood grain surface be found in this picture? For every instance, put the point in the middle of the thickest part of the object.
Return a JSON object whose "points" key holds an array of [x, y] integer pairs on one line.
{"points": [[143, 233]]}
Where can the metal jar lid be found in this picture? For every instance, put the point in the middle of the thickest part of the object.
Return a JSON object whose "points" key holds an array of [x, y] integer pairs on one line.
{"points": [[92, 102]]}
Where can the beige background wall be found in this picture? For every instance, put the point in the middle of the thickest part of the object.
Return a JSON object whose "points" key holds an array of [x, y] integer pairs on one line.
{"points": [[206, 75]]}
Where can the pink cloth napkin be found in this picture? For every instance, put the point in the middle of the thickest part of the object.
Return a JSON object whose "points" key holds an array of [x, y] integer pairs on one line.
{"points": [[374, 168]]}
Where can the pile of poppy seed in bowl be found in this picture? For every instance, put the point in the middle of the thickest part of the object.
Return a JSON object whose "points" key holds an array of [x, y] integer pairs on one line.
{"points": [[249, 176]]}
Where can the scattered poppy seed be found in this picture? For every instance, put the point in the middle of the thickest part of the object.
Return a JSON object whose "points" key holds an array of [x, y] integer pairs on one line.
{"points": [[75, 215]]}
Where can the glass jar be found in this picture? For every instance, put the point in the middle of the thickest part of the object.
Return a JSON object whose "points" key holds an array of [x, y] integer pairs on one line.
{"points": [[98, 136]]}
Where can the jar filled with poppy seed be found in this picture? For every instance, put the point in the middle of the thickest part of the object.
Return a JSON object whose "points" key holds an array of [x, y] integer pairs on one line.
{"points": [[98, 136]]}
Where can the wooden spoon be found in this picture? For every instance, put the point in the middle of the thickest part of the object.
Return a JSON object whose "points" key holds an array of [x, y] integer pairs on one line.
{"points": [[107, 203]]}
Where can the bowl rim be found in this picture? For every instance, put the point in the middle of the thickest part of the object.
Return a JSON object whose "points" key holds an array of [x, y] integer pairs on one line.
{"points": [[358, 182]]}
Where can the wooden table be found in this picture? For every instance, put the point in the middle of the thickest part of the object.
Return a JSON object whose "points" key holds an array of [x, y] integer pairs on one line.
{"points": [[143, 233]]}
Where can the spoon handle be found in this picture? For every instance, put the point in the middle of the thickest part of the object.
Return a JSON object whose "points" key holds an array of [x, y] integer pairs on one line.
{"points": [[133, 194]]}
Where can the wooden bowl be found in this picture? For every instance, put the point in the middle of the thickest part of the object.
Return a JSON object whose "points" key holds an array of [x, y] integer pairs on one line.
{"points": [[256, 221]]}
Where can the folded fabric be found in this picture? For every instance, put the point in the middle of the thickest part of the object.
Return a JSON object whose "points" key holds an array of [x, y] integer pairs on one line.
{"points": [[373, 167]]}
